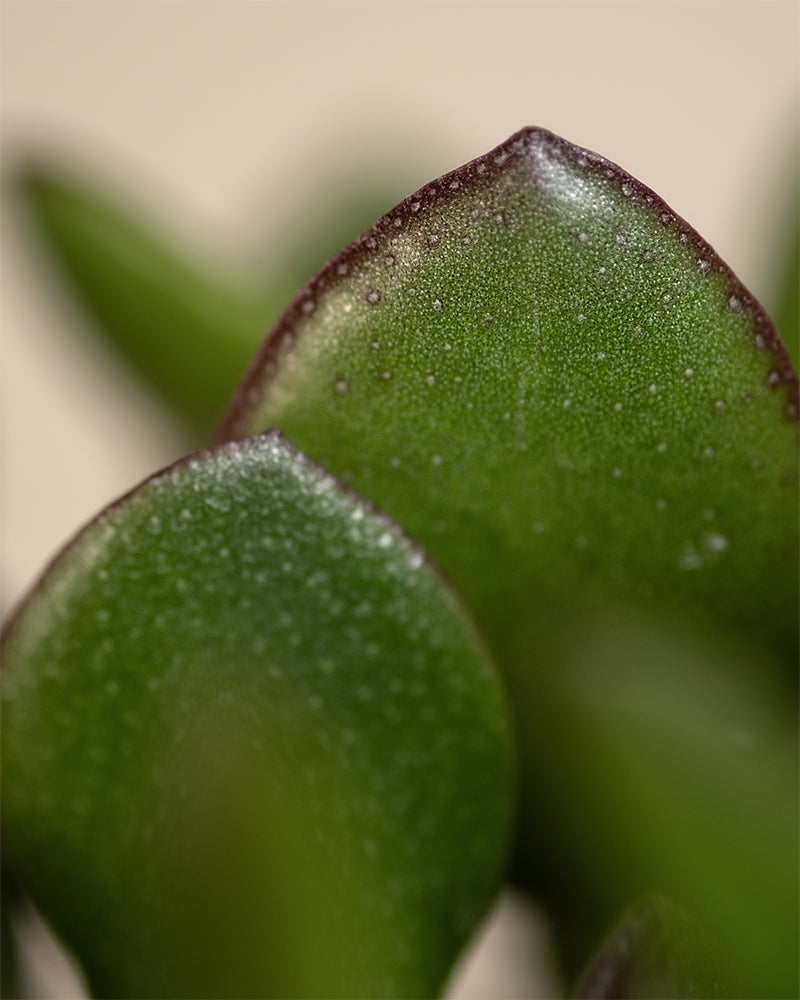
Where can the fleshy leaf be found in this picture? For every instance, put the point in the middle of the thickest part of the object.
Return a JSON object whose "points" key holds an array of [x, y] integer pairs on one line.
{"points": [[655, 950], [671, 766], [251, 743], [555, 384], [185, 328]]}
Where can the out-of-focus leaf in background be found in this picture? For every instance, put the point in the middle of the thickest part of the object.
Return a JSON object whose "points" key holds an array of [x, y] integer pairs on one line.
{"points": [[672, 767], [187, 325], [654, 950], [785, 256]]}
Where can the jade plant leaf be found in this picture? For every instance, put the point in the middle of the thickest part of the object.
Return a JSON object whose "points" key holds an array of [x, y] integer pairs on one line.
{"points": [[252, 744], [654, 950], [185, 326], [672, 755], [556, 385]]}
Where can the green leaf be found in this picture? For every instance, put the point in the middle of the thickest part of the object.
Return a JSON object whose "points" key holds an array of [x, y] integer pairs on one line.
{"points": [[185, 328], [549, 379], [786, 290], [554, 383], [252, 745], [655, 950], [673, 767]]}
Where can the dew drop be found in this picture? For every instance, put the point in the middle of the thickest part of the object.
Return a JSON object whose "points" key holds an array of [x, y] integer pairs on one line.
{"points": [[626, 189], [715, 542], [394, 462], [580, 318], [689, 557], [436, 305], [431, 379], [218, 503], [567, 403], [433, 239], [454, 185], [342, 269], [708, 451], [734, 304], [488, 318], [415, 560], [372, 242], [616, 473], [617, 407], [601, 356], [773, 378], [652, 388], [719, 404], [661, 446], [703, 265], [436, 460], [375, 345], [583, 236], [385, 540], [341, 388], [499, 218], [481, 168], [389, 260], [373, 296], [621, 239], [386, 376], [689, 372], [154, 525], [415, 206], [308, 307], [666, 297]]}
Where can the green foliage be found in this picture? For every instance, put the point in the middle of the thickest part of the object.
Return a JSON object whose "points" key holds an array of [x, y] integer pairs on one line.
{"points": [[243, 694], [555, 386], [186, 329]]}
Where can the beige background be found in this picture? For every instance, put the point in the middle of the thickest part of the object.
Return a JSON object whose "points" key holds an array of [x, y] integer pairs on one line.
{"points": [[229, 117]]}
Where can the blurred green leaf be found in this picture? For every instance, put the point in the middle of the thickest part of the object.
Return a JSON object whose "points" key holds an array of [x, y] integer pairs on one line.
{"points": [[251, 743], [185, 328], [673, 760], [655, 950], [787, 293]]}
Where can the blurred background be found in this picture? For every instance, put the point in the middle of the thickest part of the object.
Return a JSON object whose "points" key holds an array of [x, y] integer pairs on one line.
{"points": [[256, 133]]}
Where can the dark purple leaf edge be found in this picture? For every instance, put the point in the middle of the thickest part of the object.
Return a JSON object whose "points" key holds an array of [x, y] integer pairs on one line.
{"points": [[538, 145]]}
